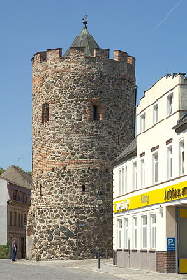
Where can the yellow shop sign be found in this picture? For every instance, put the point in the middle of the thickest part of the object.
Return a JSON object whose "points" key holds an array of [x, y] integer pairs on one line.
{"points": [[170, 193]]}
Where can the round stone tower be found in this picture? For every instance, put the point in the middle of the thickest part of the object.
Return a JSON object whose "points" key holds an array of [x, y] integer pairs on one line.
{"points": [[83, 117]]}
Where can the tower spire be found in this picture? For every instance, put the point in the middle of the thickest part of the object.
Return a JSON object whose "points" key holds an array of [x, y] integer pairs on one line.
{"points": [[85, 21]]}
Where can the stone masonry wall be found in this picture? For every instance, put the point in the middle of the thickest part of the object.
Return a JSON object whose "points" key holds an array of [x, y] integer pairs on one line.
{"points": [[73, 151]]}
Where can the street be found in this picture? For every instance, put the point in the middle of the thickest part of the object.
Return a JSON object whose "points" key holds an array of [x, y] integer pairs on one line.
{"points": [[76, 269], [66, 270]]}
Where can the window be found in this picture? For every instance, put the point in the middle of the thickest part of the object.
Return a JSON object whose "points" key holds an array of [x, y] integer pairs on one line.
{"points": [[83, 188], [25, 219], [126, 233], [45, 112], [155, 168], [144, 232], [11, 219], [119, 222], [142, 173], [153, 231], [122, 181], [170, 104], [15, 219], [125, 179], [135, 230], [169, 162], [119, 181], [135, 175], [181, 158], [95, 112], [142, 122], [155, 114]]}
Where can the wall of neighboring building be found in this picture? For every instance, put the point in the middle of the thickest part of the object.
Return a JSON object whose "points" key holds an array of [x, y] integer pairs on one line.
{"points": [[3, 210], [155, 199]]}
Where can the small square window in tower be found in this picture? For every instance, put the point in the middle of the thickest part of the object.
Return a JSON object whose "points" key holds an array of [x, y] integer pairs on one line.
{"points": [[45, 112]]}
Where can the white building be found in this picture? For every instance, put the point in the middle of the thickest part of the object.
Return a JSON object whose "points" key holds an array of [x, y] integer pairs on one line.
{"points": [[150, 183], [15, 192]]}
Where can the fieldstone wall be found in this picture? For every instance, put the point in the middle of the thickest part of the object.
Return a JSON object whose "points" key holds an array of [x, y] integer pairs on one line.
{"points": [[74, 147]]}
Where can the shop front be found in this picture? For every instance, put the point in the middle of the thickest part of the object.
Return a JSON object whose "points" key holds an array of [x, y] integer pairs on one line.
{"points": [[150, 229]]}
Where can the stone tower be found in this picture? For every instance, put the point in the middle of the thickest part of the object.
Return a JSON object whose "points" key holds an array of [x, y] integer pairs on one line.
{"points": [[83, 117]]}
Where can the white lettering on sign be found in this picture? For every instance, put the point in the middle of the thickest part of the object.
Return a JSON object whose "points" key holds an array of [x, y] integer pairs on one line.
{"points": [[123, 205]]}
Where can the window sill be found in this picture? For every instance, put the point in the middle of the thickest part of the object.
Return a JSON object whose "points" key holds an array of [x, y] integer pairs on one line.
{"points": [[143, 250]]}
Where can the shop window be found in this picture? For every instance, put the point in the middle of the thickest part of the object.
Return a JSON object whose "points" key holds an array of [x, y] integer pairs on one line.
{"points": [[119, 229], [135, 232], [144, 232], [45, 112], [153, 231], [126, 233]]}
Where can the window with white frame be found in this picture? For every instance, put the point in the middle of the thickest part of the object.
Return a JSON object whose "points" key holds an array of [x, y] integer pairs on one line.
{"points": [[144, 232], [119, 181], [142, 122], [181, 157], [155, 168], [170, 104], [155, 113], [135, 232], [169, 161], [119, 233], [134, 175], [126, 179], [142, 166], [153, 231], [126, 233], [122, 181]]}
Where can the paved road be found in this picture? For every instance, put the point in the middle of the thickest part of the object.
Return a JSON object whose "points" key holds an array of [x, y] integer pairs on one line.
{"points": [[22, 270], [76, 270]]}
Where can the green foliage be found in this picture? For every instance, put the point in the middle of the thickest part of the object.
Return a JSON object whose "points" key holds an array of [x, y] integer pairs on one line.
{"points": [[1, 170], [4, 251], [28, 172]]}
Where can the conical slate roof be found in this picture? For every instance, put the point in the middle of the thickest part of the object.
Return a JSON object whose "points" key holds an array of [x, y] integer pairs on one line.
{"points": [[84, 39]]}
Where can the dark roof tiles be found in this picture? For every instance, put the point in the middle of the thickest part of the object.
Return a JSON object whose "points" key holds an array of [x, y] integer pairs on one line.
{"points": [[84, 39]]}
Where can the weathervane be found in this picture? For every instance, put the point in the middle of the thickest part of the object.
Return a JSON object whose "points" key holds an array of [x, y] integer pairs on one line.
{"points": [[85, 21]]}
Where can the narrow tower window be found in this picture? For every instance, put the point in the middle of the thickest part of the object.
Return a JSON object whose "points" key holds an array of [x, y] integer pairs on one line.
{"points": [[45, 112], [95, 112]]}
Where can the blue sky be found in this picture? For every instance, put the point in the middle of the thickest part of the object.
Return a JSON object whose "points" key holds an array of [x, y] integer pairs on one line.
{"points": [[152, 31]]}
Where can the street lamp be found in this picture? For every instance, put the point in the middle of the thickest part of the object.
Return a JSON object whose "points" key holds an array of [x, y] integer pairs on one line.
{"points": [[99, 202]]}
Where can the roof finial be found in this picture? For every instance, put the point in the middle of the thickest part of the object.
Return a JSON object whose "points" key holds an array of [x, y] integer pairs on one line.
{"points": [[85, 21]]}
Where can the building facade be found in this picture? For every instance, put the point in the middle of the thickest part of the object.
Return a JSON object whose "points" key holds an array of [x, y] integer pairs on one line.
{"points": [[150, 183], [15, 190], [83, 114]]}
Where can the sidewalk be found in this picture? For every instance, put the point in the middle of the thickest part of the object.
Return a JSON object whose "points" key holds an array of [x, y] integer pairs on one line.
{"points": [[107, 267]]}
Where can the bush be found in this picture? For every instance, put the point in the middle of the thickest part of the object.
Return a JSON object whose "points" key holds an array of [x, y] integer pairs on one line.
{"points": [[4, 251]]}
